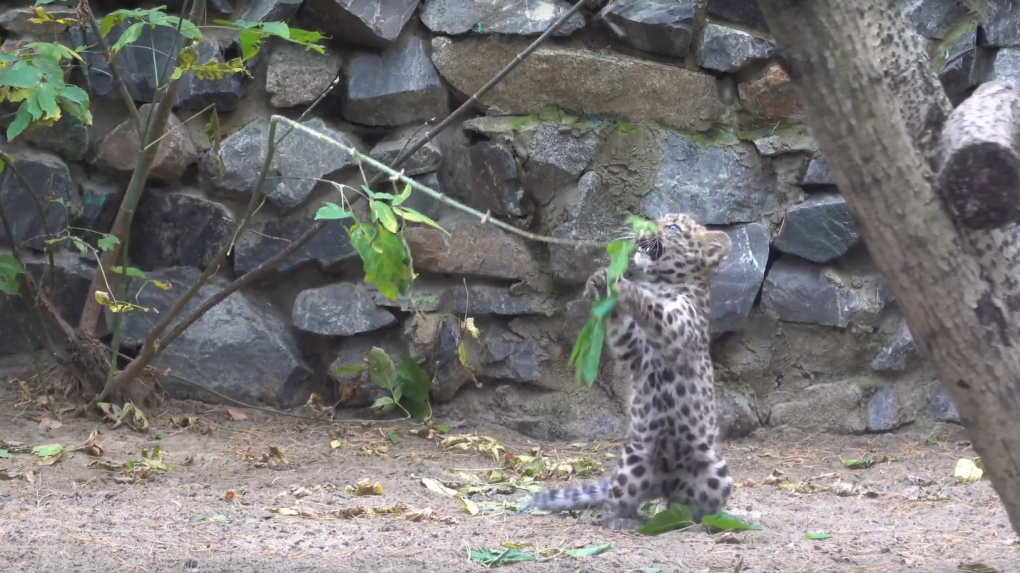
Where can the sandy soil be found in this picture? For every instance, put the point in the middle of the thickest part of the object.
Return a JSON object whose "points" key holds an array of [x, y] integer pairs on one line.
{"points": [[212, 512]]}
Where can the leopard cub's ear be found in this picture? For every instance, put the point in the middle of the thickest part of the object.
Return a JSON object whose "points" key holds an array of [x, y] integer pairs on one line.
{"points": [[717, 245]]}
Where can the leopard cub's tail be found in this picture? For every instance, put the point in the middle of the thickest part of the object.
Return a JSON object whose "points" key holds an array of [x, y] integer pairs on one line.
{"points": [[569, 498]]}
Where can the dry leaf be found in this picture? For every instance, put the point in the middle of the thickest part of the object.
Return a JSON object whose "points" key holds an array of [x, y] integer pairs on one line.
{"points": [[417, 515], [365, 487], [47, 424], [434, 485], [236, 414], [26, 395]]}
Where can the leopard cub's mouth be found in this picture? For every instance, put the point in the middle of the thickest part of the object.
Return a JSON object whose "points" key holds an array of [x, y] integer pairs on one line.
{"points": [[649, 248]]}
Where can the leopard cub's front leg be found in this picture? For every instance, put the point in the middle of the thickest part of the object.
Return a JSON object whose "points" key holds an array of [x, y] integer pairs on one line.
{"points": [[596, 285]]}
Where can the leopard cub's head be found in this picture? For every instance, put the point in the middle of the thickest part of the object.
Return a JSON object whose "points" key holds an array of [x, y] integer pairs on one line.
{"points": [[680, 251]]}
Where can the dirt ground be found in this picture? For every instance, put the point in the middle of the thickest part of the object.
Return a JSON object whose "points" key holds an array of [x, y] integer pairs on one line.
{"points": [[68, 516]]}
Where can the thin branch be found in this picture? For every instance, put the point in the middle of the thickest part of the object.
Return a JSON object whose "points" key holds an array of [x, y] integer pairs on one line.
{"points": [[125, 95], [38, 206]]}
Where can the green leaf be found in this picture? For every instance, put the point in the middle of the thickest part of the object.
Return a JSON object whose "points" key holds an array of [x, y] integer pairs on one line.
{"points": [[817, 536], [250, 41], [676, 516], [9, 266], [393, 437], [416, 217], [441, 429], [47, 450], [384, 214], [133, 32], [332, 211], [20, 75], [858, 464], [276, 29], [385, 259], [106, 242], [589, 551], [496, 557], [383, 405], [591, 361], [343, 370], [653, 570], [6, 454], [74, 94], [415, 381], [376, 195], [619, 259], [603, 307], [22, 120], [187, 28], [129, 271], [404, 196], [381, 371], [418, 410], [642, 225], [723, 521]]}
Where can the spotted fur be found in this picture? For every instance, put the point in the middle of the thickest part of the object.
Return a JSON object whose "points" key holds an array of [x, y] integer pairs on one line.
{"points": [[660, 331]]}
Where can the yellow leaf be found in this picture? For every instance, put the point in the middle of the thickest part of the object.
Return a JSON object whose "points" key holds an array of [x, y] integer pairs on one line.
{"points": [[469, 326], [365, 487], [102, 298], [285, 510], [434, 485], [462, 355], [335, 444], [164, 285], [469, 505], [967, 471]]}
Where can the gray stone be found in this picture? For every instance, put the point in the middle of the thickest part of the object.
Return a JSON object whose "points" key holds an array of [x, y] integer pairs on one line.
{"points": [[656, 26], [502, 17], [556, 158], [99, 205], [898, 353], [270, 10], [396, 87], [470, 248], [726, 49], [772, 97], [375, 24], [429, 296], [1006, 67], [450, 374], [716, 184], [818, 173], [735, 288], [965, 65], [933, 19], [425, 160], [267, 235], [508, 357], [222, 93], [139, 63], [425, 204], [239, 348], [819, 229], [744, 12], [298, 159], [49, 180], [835, 407], [494, 185], [118, 151], [68, 285], [591, 219], [18, 21], [941, 406], [296, 76], [796, 290], [355, 389], [68, 137], [174, 229], [575, 78], [796, 140], [340, 309], [1003, 25], [737, 418], [883, 410]]}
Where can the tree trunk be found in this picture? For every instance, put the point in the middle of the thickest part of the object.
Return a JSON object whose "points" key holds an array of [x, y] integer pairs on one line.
{"points": [[878, 122]]}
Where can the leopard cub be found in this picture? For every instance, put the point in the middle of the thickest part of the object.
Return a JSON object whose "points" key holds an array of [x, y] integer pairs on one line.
{"points": [[660, 331]]}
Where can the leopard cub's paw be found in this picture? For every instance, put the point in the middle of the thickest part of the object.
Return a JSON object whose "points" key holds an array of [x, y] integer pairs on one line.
{"points": [[596, 285]]}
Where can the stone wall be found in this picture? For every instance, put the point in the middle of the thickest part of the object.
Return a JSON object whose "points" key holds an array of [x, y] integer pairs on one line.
{"points": [[635, 106]]}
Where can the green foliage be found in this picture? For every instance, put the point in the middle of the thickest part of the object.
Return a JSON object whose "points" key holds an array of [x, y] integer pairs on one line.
{"points": [[678, 516], [10, 268], [817, 536], [254, 33], [407, 383], [385, 257], [332, 212], [33, 78], [516, 553]]}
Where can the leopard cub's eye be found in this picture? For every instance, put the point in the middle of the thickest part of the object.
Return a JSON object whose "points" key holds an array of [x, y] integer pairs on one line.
{"points": [[674, 228]]}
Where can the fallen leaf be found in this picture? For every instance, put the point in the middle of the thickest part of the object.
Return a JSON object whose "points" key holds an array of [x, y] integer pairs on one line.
{"points": [[676, 516], [236, 414], [365, 487], [469, 505], [723, 521], [47, 450], [434, 485], [50, 460], [335, 444], [301, 511], [496, 557], [967, 471], [47, 424], [419, 514], [5, 454], [817, 535], [589, 551], [858, 464], [393, 437], [977, 567]]}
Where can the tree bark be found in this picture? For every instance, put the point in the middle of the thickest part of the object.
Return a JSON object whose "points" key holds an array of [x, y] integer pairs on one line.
{"points": [[879, 131]]}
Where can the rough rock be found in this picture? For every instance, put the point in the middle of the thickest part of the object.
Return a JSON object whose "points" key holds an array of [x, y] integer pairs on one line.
{"points": [[503, 17], [118, 151], [268, 235], [898, 353], [270, 10], [1006, 67], [425, 204], [421, 334], [68, 137], [884, 410], [835, 407], [356, 391], [71, 279], [508, 357], [933, 19], [592, 219], [99, 207], [796, 290], [138, 64], [224, 94], [656, 26], [373, 24], [296, 76], [425, 160], [300, 155], [941, 406], [772, 97], [717, 184], [818, 173], [470, 248], [744, 12], [726, 49], [49, 180], [819, 229], [578, 79], [175, 229], [340, 309], [450, 374], [555, 159], [494, 184], [965, 65], [1003, 25], [741, 273], [796, 140], [17, 21], [396, 87], [737, 418], [480, 299], [239, 348]]}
